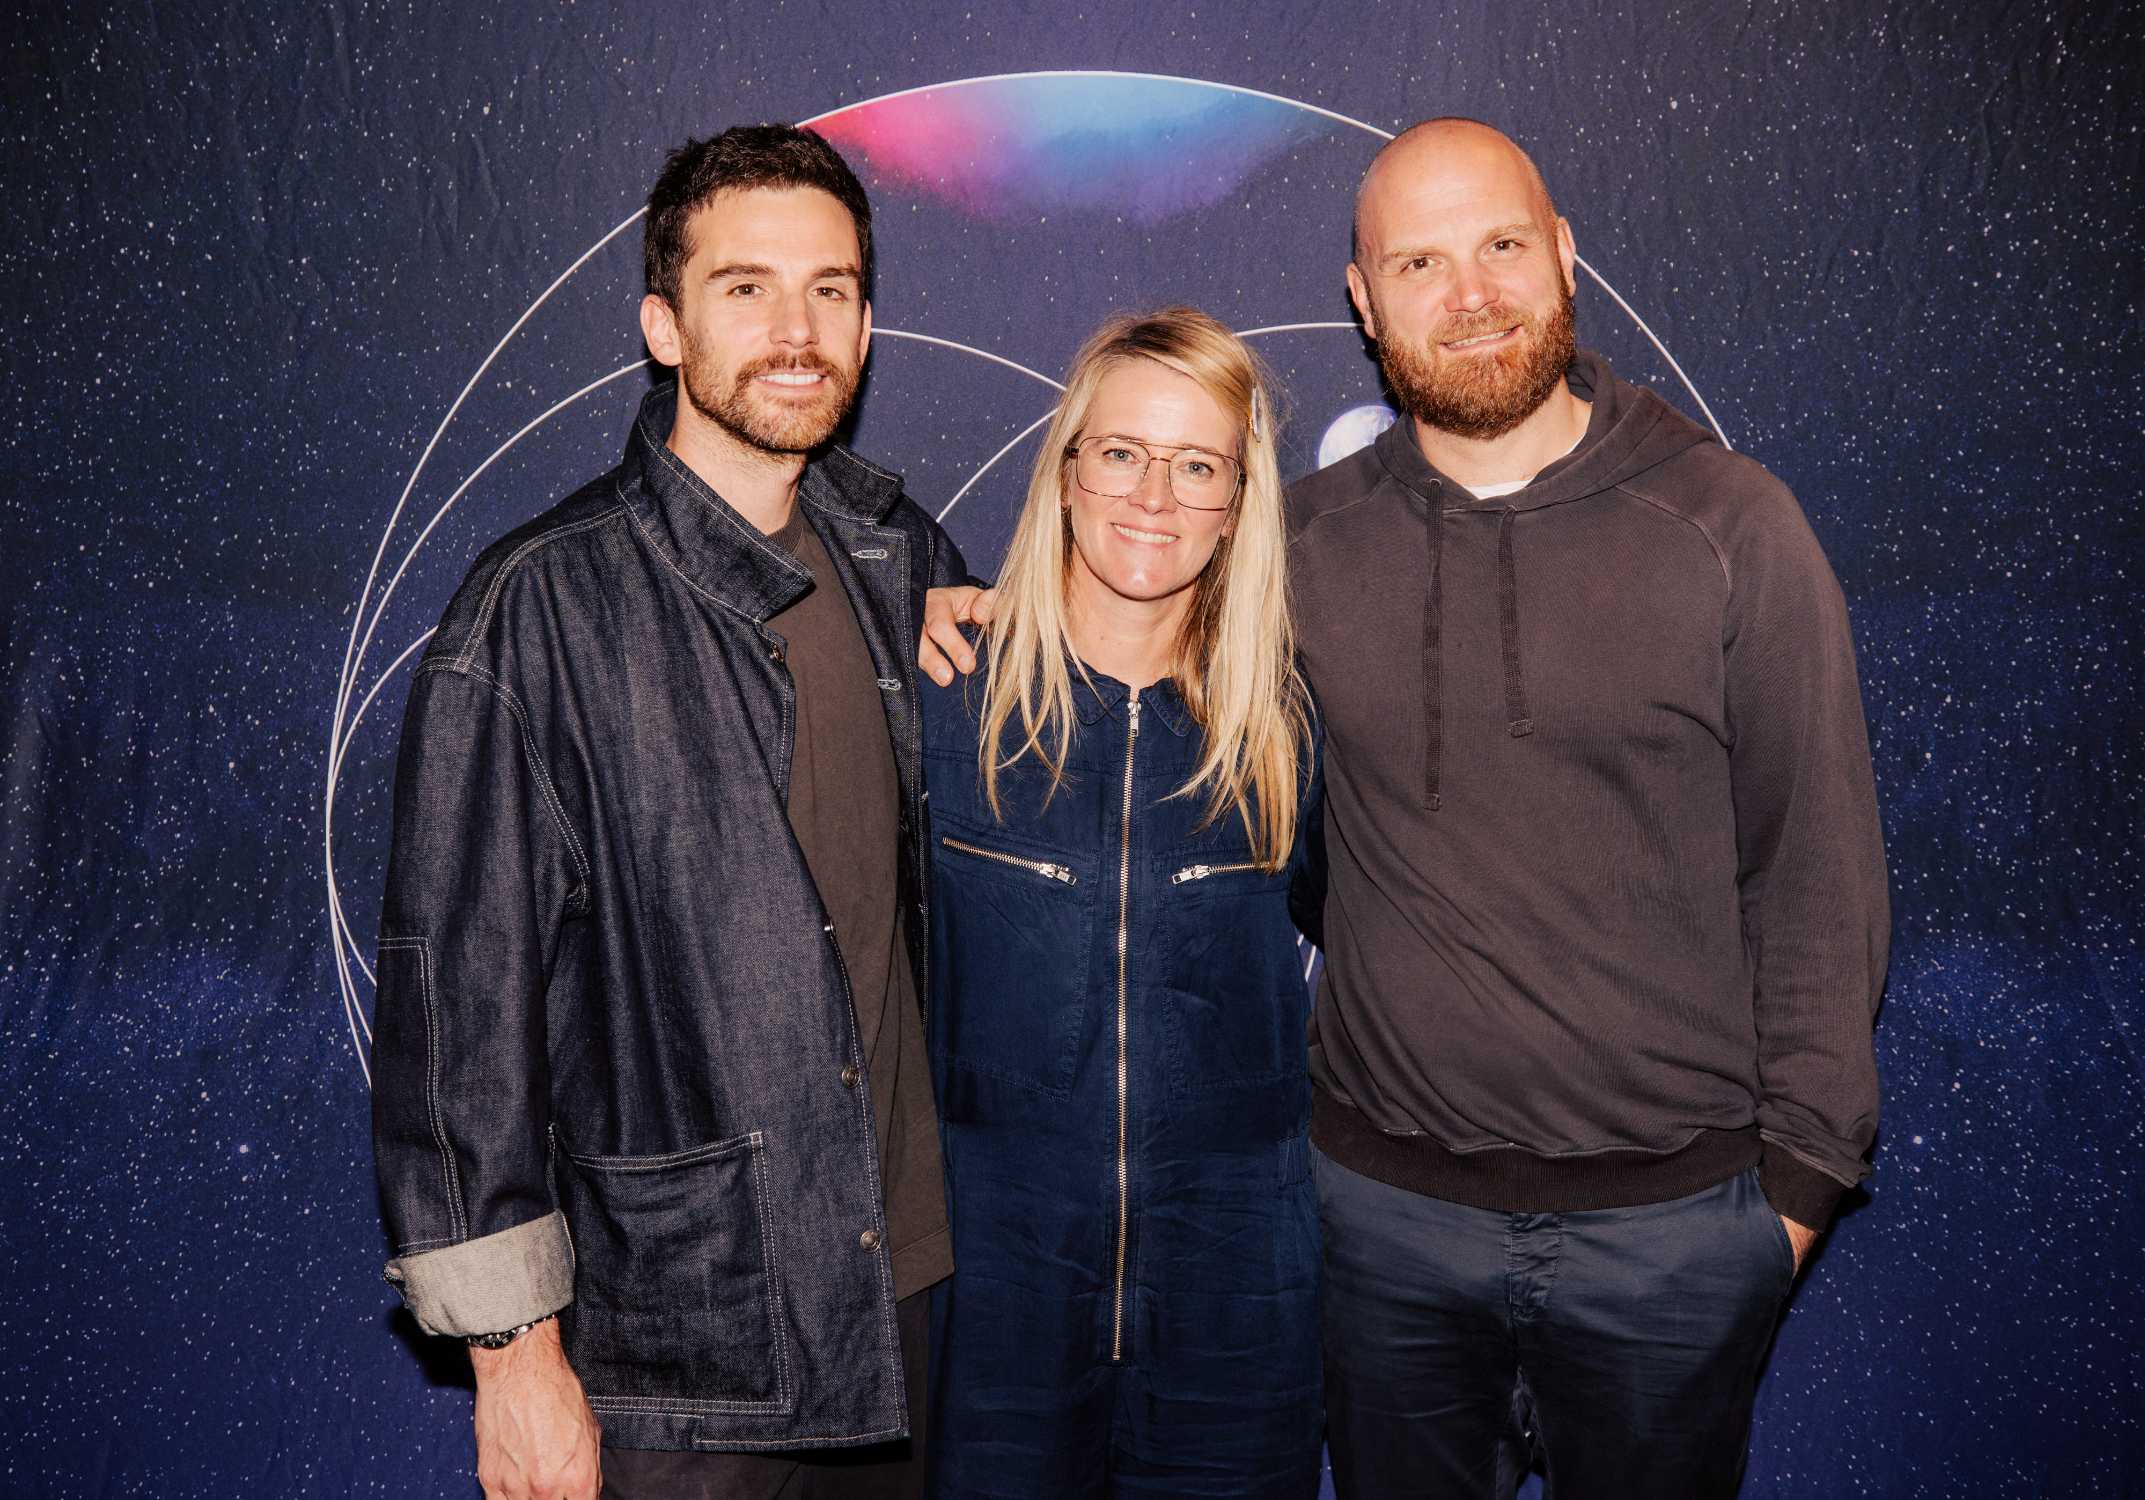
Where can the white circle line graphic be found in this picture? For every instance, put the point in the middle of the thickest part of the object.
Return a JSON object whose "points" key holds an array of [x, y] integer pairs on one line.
{"points": [[1252, 333], [342, 732], [357, 954], [380, 608], [1632, 313], [1018, 438], [342, 726], [996, 359], [349, 671]]}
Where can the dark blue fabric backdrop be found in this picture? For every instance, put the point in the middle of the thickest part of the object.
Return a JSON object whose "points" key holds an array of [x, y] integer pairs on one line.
{"points": [[256, 254]]}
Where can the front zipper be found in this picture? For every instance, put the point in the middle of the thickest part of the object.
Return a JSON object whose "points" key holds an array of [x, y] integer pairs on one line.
{"points": [[1062, 874], [1124, 927], [1201, 872]]}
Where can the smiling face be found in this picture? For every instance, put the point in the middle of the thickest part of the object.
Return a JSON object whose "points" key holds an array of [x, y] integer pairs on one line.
{"points": [[1144, 547], [771, 328], [1463, 274]]}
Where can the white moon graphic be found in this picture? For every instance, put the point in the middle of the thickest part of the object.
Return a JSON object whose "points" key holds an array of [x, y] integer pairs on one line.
{"points": [[1357, 427]]}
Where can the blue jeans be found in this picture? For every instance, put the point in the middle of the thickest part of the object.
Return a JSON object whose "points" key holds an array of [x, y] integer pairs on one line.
{"points": [[1619, 1347]]}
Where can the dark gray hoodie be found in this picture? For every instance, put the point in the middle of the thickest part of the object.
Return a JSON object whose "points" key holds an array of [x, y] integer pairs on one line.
{"points": [[1606, 919]]}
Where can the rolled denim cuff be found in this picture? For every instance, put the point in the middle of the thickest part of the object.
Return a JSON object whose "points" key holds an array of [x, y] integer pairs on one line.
{"points": [[491, 1284]]}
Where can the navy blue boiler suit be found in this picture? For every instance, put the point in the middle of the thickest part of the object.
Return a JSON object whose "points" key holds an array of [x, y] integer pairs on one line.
{"points": [[1117, 1021]]}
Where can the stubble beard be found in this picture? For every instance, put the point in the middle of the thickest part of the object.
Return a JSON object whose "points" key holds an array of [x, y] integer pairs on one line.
{"points": [[1483, 396], [739, 409]]}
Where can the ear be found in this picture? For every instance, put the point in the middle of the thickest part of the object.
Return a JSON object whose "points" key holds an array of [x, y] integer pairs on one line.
{"points": [[864, 338], [659, 328], [1359, 294], [1566, 253]]}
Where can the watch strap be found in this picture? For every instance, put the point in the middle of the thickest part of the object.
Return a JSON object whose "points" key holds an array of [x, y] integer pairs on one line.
{"points": [[505, 1336]]}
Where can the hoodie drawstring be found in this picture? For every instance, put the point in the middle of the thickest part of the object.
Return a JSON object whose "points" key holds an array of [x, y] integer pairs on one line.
{"points": [[1517, 722], [1433, 658]]}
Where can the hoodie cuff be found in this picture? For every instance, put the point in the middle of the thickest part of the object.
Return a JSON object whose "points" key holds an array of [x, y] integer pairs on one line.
{"points": [[1796, 1189], [491, 1284]]}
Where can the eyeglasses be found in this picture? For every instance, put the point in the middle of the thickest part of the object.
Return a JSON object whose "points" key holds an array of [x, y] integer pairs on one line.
{"points": [[1116, 466]]}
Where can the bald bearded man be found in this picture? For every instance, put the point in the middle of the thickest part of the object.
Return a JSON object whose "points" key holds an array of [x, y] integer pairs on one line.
{"points": [[1607, 919]]}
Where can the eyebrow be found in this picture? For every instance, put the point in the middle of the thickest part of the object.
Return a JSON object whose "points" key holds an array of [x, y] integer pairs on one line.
{"points": [[1148, 442], [1519, 229], [755, 268]]}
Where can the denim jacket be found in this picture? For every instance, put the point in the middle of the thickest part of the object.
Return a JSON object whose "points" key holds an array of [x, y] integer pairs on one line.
{"points": [[616, 1071]]}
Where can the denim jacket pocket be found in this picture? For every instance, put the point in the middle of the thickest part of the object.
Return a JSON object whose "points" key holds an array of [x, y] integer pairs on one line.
{"points": [[677, 1297], [1012, 944]]}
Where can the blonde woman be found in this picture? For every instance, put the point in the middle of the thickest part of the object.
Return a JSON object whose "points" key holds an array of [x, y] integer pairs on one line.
{"points": [[1117, 1009]]}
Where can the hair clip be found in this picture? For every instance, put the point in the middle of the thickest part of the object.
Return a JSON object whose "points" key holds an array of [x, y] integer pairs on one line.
{"points": [[1255, 425]]}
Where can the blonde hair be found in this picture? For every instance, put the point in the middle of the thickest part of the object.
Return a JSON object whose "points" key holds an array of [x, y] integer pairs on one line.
{"points": [[1234, 660]]}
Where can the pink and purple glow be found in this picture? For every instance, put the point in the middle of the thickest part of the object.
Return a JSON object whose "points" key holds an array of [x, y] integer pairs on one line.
{"points": [[1145, 148]]}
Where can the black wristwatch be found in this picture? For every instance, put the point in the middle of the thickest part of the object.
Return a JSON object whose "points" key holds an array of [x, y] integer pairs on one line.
{"points": [[501, 1340]]}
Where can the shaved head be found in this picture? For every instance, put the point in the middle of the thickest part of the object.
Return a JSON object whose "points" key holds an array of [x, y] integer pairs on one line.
{"points": [[1462, 273], [1428, 143]]}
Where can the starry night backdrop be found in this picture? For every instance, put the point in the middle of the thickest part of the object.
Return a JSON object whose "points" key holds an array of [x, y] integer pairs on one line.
{"points": [[254, 254]]}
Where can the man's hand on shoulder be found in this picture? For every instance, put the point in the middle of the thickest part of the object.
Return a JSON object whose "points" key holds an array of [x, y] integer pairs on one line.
{"points": [[536, 1437], [943, 649], [1800, 1239]]}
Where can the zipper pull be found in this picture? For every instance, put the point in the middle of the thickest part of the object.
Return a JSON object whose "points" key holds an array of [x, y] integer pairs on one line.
{"points": [[1134, 733], [1059, 873], [1191, 872]]}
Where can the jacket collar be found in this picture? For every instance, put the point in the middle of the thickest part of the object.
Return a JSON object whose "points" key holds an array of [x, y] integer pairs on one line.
{"points": [[1098, 694], [717, 550]]}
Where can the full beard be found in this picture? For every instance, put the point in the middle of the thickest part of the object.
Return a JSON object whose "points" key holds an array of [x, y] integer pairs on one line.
{"points": [[1482, 396], [744, 412]]}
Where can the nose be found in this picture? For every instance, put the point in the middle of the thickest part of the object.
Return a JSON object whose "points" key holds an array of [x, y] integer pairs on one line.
{"points": [[1154, 493], [792, 324], [1470, 289]]}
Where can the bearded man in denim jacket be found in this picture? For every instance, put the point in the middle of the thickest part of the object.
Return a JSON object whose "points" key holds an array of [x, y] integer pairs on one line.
{"points": [[653, 1126]]}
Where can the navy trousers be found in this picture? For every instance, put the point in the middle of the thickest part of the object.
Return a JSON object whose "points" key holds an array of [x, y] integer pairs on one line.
{"points": [[1619, 1348], [1216, 1393]]}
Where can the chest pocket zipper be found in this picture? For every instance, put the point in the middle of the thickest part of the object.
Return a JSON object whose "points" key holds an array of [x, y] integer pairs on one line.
{"points": [[1201, 872], [1062, 874]]}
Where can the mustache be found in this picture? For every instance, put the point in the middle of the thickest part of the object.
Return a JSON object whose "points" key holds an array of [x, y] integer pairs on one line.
{"points": [[778, 364], [1473, 325]]}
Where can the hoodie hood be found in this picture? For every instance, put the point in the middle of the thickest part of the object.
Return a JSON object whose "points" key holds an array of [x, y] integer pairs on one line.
{"points": [[1629, 431]]}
